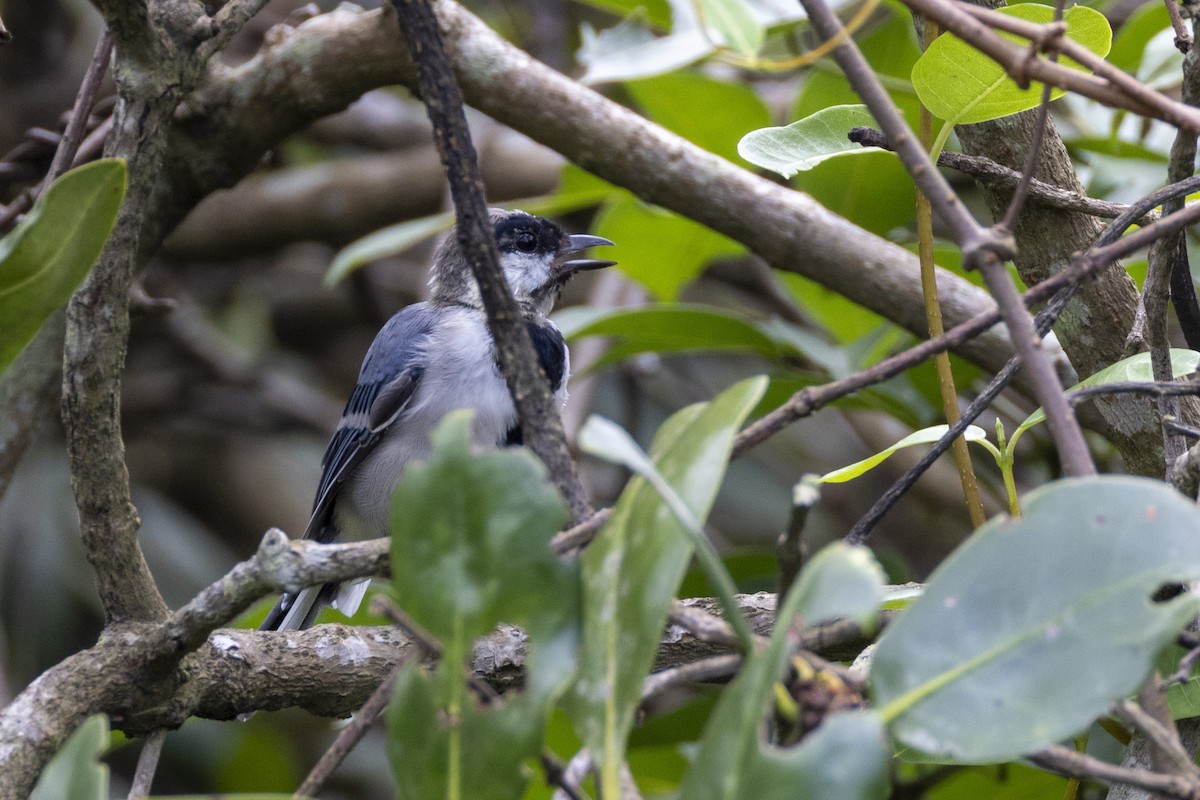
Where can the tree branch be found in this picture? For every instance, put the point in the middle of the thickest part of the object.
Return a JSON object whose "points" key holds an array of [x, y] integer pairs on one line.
{"points": [[541, 424]]}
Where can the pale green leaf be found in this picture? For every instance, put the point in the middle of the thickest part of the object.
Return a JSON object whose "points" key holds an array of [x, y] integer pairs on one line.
{"points": [[923, 436], [631, 50], [632, 569], [807, 142], [1136, 368], [45, 258], [959, 84], [986, 665], [678, 328]]}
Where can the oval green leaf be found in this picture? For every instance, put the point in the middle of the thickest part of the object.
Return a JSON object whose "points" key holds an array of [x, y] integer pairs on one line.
{"points": [[840, 581], [677, 328], [959, 84], [847, 757], [659, 249], [632, 569], [807, 142], [923, 436], [467, 527], [985, 665], [45, 258]]}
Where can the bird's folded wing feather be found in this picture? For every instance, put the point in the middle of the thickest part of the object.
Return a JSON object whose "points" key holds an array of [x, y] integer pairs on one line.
{"points": [[389, 378]]}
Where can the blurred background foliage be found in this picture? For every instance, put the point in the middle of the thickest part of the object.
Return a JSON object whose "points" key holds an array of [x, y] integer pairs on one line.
{"points": [[229, 399]]}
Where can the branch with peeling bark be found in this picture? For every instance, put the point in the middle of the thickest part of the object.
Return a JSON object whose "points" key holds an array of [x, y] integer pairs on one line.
{"points": [[148, 676]]}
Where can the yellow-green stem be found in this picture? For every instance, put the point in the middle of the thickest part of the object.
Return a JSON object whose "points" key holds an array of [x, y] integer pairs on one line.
{"points": [[933, 317]]}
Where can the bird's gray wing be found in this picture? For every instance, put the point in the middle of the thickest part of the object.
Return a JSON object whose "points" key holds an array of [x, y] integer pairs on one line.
{"points": [[390, 375]]}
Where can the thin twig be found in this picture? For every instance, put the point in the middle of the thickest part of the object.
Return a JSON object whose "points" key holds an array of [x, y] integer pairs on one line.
{"points": [[1112, 245], [1017, 202], [147, 765], [1065, 761], [706, 669], [349, 737], [1183, 37], [1157, 389], [556, 776], [967, 233], [704, 626], [580, 534], [790, 547], [1184, 671], [1165, 741], [989, 172], [66, 145], [77, 123], [862, 529], [574, 775], [5, 34], [1107, 84]]}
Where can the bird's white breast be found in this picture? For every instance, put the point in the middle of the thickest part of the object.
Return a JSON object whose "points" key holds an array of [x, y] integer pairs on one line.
{"points": [[460, 372]]}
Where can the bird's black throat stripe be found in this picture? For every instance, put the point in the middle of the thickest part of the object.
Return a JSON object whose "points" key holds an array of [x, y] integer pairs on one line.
{"points": [[552, 355]]}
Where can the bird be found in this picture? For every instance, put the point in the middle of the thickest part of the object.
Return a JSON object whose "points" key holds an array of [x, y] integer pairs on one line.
{"points": [[429, 359]]}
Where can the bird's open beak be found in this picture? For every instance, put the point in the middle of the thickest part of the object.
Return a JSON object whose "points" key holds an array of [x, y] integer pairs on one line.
{"points": [[582, 241]]}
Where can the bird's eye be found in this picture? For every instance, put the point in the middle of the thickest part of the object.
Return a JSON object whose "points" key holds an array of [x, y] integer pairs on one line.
{"points": [[525, 241]]}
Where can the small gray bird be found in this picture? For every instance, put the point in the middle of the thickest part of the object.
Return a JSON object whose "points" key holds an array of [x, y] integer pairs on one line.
{"points": [[430, 359]]}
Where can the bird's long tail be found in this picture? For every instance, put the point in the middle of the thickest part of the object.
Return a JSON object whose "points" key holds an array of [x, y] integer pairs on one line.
{"points": [[296, 612]]}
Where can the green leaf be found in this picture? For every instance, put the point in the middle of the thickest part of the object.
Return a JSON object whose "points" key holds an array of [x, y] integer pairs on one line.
{"points": [[985, 665], [734, 24], [846, 757], [923, 436], [675, 328], [384, 243], [840, 581], [631, 570], [76, 770], [707, 112], [45, 258], [660, 250], [1130, 41], [1004, 782], [467, 528], [959, 84], [1136, 368], [807, 142]]}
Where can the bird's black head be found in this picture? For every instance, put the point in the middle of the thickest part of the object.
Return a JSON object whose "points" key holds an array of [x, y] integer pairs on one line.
{"points": [[533, 255]]}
